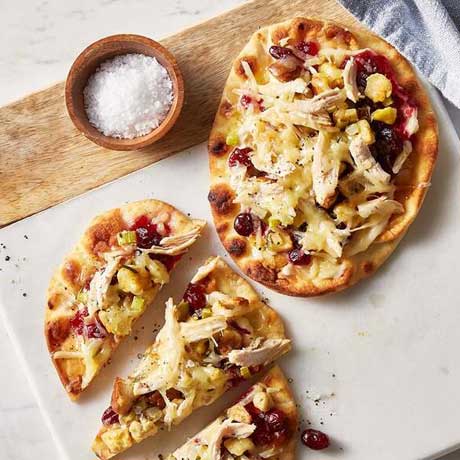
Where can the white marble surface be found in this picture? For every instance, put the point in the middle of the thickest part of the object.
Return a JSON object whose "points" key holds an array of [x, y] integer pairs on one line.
{"points": [[40, 40]]}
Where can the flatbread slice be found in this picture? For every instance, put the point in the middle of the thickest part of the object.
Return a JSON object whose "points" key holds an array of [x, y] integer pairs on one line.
{"points": [[220, 334], [107, 282], [261, 425], [320, 155]]}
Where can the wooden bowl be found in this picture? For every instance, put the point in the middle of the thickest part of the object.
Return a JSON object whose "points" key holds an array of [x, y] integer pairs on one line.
{"points": [[86, 64]]}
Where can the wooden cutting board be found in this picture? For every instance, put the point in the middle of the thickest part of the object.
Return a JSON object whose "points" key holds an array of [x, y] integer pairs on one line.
{"points": [[44, 160]]}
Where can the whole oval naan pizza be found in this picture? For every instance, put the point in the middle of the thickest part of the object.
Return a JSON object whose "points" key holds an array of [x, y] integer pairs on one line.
{"points": [[320, 155]]}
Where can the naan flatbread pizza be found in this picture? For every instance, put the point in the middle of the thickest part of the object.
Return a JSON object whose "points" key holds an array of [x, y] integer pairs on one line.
{"points": [[220, 334], [261, 425], [320, 155], [107, 282]]}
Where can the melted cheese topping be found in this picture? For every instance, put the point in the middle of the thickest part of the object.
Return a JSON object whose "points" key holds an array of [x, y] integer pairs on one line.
{"points": [[193, 360], [310, 144]]}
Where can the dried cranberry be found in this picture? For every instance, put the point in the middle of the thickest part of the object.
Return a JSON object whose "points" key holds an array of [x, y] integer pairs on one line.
{"points": [[279, 52], [271, 426], [315, 439], [77, 323], [109, 417], [195, 296], [310, 48], [361, 80], [243, 224], [298, 257], [275, 419], [146, 232], [388, 144], [240, 156]]}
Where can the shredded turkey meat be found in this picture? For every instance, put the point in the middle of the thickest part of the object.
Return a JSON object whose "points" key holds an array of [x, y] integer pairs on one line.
{"points": [[325, 171], [100, 284], [212, 437], [205, 270], [364, 160], [260, 352], [349, 80], [324, 101], [203, 328], [174, 245]]}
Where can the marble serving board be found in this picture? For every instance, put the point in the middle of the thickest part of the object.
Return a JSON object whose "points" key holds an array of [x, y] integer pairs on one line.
{"points": [[376, 367]]}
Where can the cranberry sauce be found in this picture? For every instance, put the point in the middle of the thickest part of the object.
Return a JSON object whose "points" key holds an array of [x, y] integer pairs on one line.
{"points": [[369, 62], [77, 322], [91, 330], [240, 157], [310, 48]]}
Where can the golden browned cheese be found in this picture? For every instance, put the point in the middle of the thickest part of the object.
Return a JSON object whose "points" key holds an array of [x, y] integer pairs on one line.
{"points": [[410, 183]]}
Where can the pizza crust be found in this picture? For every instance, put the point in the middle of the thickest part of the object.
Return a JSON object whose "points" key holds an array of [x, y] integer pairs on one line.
{"points": [[412, 181], [273, 384], [76, 272], [284, 400], [265, 322]]}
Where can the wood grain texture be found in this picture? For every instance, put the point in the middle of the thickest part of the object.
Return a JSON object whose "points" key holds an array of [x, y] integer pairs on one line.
{"points": [[44, 160]]}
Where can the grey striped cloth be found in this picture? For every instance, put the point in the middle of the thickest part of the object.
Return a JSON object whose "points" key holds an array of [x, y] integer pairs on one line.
{"points": [[426, 32]]}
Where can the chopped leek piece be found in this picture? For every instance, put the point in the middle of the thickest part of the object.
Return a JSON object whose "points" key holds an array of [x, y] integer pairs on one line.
{"points": [[183, 310], [206, 313], [126, 237], [245, 372], [272, 222], [137, 305], [82, 297]]}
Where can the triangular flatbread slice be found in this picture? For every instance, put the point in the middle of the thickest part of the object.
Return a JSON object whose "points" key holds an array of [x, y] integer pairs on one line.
{"points": [[261, 425], [107, 282], [219, 334]]}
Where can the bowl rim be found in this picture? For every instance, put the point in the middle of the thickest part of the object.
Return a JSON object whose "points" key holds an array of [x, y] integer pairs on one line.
{"points": [[113, 143]]}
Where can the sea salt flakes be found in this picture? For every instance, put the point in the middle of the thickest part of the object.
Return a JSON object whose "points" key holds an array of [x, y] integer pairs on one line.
{"points": [[128, 96]]}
